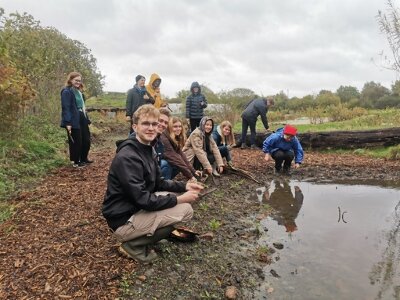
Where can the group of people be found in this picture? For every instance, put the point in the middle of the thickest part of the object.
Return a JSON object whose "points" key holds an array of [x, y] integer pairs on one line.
{"points": [[142, 202]]}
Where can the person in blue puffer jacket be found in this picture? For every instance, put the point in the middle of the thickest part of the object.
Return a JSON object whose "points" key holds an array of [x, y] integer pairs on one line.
{"points": [[283, 146]]}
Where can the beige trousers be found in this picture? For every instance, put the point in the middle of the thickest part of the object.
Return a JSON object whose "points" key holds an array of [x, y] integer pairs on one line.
{"points": [[146, 222]]}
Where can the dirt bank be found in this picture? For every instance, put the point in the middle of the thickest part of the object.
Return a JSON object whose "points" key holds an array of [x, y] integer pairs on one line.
{"points": [[58, 246]]}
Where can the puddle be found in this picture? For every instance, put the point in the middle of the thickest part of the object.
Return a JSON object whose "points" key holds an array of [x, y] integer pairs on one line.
{"points": [[339, 241]]}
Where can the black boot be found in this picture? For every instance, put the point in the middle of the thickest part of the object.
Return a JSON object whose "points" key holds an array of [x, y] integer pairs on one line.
{"points": [[286, 171]]}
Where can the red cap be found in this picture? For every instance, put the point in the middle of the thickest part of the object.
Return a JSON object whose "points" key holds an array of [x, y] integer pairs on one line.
{"points": [[290, 130]]}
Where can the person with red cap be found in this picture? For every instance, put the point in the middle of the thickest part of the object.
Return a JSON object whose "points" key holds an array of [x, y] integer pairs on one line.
{"points": [[283, 146]]}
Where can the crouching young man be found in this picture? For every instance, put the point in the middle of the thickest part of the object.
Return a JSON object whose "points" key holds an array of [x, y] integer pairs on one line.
{"points": [[283, 146], [136, 214]]}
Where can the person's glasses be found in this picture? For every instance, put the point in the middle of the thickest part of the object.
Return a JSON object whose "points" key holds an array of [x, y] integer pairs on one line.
{"points": [[147, 124]]}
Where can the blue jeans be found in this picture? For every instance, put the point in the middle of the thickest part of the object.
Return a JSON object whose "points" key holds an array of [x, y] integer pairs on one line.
{"points": [[246, 124], [168, 171], [225, 153]]}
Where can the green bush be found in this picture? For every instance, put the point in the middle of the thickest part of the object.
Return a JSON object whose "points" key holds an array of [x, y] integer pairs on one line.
{"points": [[394, 153]]}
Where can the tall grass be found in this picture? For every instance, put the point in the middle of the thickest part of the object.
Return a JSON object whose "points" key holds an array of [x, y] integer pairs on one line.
{"points": [[38, 147]]}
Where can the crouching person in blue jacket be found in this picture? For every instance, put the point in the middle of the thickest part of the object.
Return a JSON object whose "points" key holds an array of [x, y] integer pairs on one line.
{"points": [[283, 146]]}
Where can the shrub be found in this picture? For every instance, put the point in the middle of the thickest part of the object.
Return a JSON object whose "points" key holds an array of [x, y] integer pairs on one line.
{"points": [[394, 153]]}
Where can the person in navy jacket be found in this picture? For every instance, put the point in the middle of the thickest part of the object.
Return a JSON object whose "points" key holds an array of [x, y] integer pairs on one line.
{"points": [[283, 146], [75, 120]]}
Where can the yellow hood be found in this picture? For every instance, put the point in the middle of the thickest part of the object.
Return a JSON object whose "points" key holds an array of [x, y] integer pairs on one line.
{"points": [[154, 92]]}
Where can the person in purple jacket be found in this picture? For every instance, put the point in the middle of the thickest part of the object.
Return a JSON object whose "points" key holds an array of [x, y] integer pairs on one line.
{"points": [[283, 146]]}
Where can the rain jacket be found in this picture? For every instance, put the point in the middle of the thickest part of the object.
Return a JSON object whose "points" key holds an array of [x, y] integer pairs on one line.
{"points": [[195, 103], [276, 142], [133, 179], [156, 95], [195, 146], [135, 99], [174, 155], [256, 108]]}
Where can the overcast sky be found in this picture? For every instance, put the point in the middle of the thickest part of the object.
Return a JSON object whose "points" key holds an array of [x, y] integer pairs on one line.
{"points": [[299, 47]]}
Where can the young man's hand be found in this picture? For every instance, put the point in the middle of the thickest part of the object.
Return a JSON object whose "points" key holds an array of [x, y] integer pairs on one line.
{"points": [[296, 166], [194, 186], [267, 157], [188, 197]]}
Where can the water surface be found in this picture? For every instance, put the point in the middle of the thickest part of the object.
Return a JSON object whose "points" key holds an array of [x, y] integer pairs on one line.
{"points": [[340, 241]]}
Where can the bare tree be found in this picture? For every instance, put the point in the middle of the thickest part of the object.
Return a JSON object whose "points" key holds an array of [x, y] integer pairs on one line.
{"points": [[389, 24]]}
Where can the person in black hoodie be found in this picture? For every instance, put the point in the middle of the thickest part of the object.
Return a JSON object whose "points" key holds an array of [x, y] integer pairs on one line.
{"points": [[196, 102], [133, 210]]}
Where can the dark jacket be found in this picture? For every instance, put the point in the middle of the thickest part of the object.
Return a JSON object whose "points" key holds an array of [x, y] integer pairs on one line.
{"points": [[195, 103], [135, 99], [176, 157], [133, 179], [257, 107], [69, 110]]}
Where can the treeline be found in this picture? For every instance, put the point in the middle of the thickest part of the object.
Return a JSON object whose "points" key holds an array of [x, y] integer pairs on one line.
{"points": [[373, 95], [34, 63]]}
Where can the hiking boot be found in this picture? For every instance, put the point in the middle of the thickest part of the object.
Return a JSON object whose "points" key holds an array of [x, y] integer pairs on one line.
{"points": [[138, 253], [159, 234], [254, 147], [243, 146], [286, 171], [278, 171]]}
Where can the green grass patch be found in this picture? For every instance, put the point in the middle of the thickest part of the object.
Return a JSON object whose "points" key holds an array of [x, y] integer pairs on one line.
{"points": [[6, 211], [380, 152], [374, 119], [38, 147], [108, 100]]}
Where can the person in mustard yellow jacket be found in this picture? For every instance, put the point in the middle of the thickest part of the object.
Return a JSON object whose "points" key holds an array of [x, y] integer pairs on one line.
{"points": [[153, 88]]}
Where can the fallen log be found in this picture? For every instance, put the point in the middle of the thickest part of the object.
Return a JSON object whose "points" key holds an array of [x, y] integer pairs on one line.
{"points": [[242, 173], [339, 139]]}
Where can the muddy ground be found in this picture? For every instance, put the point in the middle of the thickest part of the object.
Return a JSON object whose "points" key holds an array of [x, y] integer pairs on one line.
{"points": [[58, 246]]}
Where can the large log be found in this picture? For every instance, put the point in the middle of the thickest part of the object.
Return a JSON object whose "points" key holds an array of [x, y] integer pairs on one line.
{"points": [[340, 139]]}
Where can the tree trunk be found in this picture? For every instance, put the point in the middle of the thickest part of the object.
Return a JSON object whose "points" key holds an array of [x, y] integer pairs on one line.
{"points": [[340, 139]]}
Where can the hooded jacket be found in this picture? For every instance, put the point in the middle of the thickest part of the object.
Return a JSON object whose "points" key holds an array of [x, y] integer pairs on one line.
{"points": [[196, 146], [195, 103], [255, 108], [156, 95], [133, 179], [276, 142]]}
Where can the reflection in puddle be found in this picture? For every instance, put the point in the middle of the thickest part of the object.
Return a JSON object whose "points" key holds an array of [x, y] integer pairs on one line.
{"points": [[340, 241]]}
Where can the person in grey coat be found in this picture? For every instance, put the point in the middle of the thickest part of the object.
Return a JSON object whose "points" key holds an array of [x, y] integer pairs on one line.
{"points": [[256, 107], [196, 102]]}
